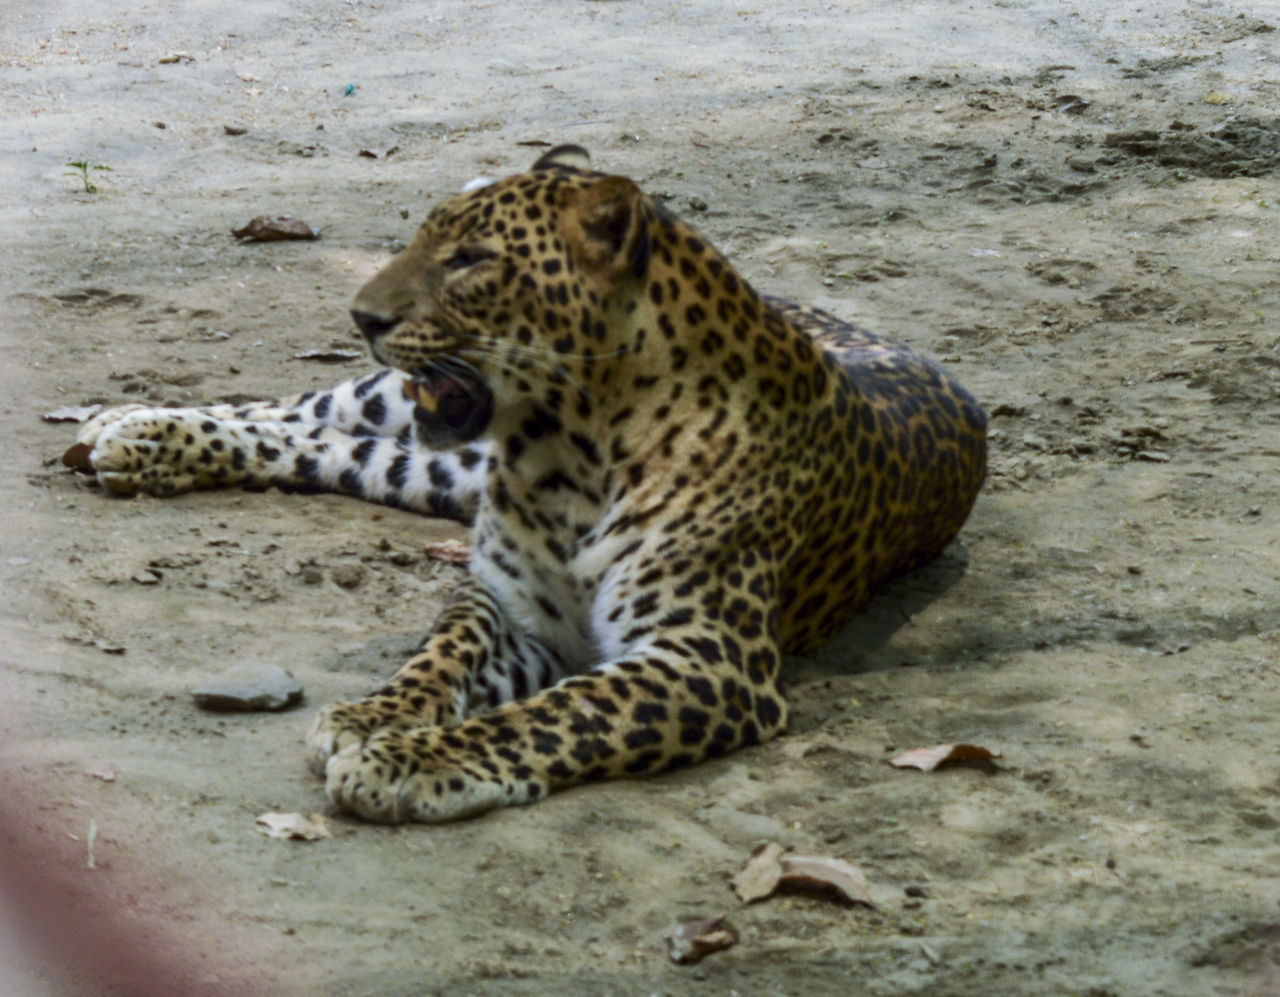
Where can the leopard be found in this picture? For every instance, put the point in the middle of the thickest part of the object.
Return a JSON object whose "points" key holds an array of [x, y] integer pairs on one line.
{"points": [[672, 482]]}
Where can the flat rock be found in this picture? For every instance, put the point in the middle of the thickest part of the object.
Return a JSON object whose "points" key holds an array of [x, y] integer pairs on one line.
{"points": [[249, 687]]}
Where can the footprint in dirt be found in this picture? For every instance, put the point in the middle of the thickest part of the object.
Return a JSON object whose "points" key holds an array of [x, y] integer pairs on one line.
{"points": [[1238, 148], [98, 298]]}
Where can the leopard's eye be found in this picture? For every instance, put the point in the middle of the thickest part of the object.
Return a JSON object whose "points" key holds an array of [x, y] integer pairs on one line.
{"points": [[468, 256]]}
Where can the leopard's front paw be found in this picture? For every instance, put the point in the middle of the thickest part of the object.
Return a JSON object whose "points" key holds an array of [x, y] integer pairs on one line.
{"points": [[94, 428], [80, 454], [367, 784], [418, 775], [135, 449], [340, 726]]}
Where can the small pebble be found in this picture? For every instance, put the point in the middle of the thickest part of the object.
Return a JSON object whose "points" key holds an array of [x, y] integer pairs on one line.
{"points": [[251, 686], [348, 576]]}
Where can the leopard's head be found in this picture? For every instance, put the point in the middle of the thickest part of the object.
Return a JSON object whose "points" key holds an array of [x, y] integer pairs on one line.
{"points": [[505, 293]]}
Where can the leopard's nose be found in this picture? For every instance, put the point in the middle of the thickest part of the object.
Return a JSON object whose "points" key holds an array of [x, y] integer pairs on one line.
{"points": [[373, 326]]}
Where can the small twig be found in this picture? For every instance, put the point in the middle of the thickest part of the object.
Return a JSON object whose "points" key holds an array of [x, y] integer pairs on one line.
{"points": [[93, 835]]}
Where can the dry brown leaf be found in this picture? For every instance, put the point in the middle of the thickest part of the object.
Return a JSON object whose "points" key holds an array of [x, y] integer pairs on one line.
{"points": [[381, 151], [1070, 103], [77, 457], [759, 877], [452, 551], [292, 827], [692, 941], [329, 356], [808, 874], [770, 869], [928, 759], [72, 413], [266, 228]]}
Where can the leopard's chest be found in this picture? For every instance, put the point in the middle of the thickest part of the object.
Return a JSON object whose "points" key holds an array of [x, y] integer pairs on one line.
{"points": [[530, 562]]}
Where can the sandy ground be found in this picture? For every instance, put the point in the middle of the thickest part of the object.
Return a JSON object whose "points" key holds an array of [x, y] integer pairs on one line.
{"points": [[1074, 205]]}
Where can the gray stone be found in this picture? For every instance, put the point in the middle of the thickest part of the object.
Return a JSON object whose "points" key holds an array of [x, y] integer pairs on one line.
{"points": [[249, 686]]}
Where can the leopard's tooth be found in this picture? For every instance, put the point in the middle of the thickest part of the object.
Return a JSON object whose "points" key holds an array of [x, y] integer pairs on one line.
{"points": [[417, 392]]}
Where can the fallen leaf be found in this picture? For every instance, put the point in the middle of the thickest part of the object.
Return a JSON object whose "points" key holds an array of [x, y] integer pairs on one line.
{"points": [[329, 356], [826, 875], [380, 151], [77, 457], [72, 413], [266, 228], [690, 942], [292, 827], [452, 551], [104, 772], [759, 877], [1069, 103], [539, 143], [928, 759], [699, 139], [174, 57], [771, 869]]}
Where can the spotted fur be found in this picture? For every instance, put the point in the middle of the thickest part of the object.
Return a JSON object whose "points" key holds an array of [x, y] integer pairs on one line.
{"points": [[673, 481]]}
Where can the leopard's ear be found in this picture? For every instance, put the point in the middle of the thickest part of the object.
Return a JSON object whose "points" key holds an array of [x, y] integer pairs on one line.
{"points": [[607, 228], [573, 156]]}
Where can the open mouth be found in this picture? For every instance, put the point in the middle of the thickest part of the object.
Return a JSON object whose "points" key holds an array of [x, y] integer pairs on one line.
{"points": [[453, 404]]}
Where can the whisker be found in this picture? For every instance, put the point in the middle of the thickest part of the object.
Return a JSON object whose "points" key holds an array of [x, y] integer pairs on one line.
{"points": [[542, 358], [503, 363], [530, 350]]}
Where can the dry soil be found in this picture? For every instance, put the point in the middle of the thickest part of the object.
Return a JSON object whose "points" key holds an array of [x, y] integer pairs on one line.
{"points": [[1074, 205]]}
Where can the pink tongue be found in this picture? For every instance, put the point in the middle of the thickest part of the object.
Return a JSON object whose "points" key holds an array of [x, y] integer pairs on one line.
{"points": [[443, 387]]}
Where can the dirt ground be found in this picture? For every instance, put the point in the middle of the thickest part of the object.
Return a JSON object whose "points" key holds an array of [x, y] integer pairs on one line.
{"points": [[1073, 205]]}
